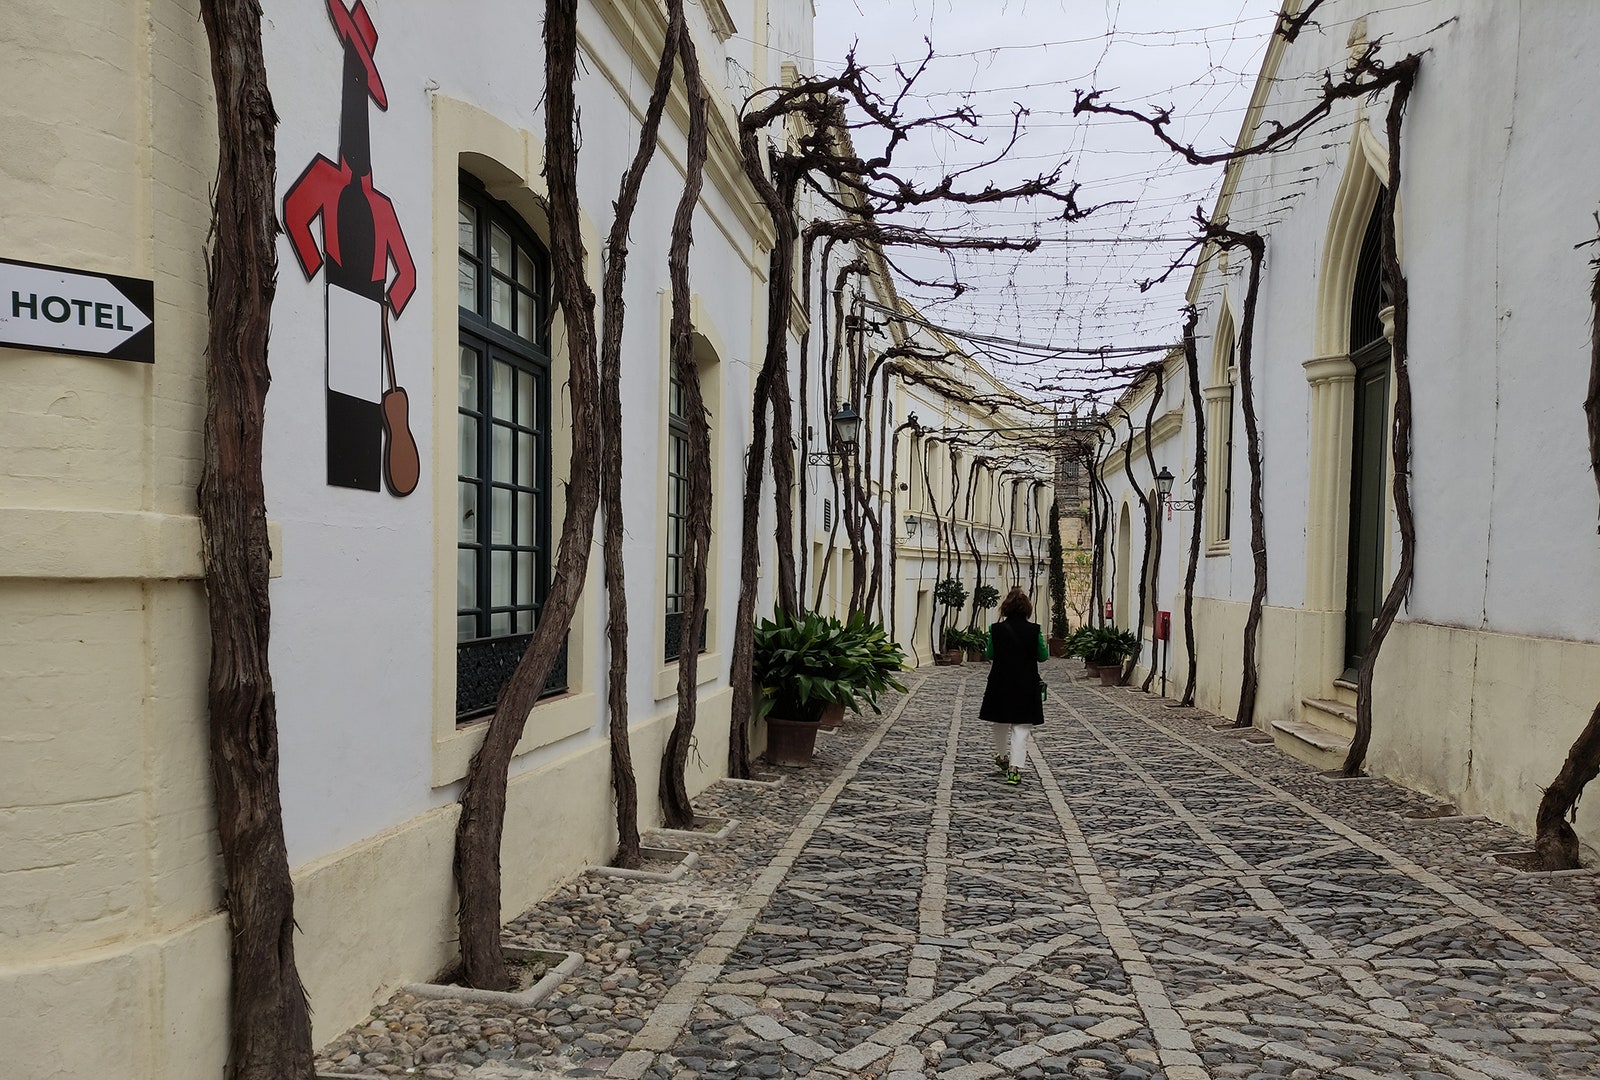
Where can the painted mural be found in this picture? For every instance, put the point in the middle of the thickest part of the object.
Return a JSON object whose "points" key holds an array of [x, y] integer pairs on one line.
{"points": [[368, 427]]}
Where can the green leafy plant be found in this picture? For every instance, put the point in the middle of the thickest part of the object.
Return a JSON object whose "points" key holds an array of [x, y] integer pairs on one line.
{"points": [[964, 639], [1079, 642], [985, 597], [807, 662], [1106, 646]]}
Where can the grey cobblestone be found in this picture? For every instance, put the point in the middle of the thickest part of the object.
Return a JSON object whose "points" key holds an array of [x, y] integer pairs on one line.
{"points": [[1157, 899]]}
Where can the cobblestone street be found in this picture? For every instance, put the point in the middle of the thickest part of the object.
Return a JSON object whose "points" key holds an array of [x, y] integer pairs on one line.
{"points": [[1158, 899]]}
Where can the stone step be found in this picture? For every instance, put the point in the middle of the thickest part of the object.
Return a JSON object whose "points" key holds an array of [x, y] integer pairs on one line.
{"points": [[1316, 746], [1333, 716], [1344, 692]]}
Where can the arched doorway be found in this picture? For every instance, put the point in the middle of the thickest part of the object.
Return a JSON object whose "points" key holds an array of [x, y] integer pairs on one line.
{"points": [[1369, 430], [1345, 507], [1123, 611]]}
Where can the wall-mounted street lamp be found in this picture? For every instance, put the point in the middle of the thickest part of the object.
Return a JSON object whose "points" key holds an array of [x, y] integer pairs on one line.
{"points": [[1164, 487], [846, 433]]}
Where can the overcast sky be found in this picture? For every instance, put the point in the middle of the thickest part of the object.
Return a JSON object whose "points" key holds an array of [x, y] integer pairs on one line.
{"points": [[1198, 56]]}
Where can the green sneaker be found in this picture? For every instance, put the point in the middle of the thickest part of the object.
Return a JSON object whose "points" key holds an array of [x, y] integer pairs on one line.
{"points": [[1002, 762], [1013, 777]]}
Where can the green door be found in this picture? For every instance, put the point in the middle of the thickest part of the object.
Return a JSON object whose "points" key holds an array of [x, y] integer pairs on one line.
{"points": [[1368, 526]]}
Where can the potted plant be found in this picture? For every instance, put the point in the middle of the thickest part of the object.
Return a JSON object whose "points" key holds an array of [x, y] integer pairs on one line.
{"points": [[1078, 644], [809, 664], [872, 660], [955, 646], [795, 664], [1107, 649], [951, 595], [984, 598]]}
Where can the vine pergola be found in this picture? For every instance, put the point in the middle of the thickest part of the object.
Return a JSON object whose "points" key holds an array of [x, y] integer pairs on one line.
{"points": [[824, 201]]}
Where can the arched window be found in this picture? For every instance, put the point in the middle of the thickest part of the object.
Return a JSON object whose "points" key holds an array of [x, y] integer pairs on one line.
{"points": [[502, 423], [677, 492], [1367, 296], [1219, 482]]}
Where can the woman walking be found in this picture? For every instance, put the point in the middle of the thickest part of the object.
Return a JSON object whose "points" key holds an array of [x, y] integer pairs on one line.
{"points": [[1013, 698]]}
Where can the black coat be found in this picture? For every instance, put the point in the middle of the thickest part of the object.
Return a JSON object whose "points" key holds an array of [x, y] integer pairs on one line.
{"points": [[1012, 695]]}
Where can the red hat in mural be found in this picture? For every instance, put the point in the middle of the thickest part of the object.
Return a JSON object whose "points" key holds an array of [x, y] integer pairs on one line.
{"points": [[355, 28]]}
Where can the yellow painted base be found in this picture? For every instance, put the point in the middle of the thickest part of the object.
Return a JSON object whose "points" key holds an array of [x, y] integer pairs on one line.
{"points": [[372, 916], [1480, 719]]}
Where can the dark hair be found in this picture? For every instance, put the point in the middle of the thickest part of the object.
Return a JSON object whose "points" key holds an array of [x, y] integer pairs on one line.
{"points": [[1016, 603]]}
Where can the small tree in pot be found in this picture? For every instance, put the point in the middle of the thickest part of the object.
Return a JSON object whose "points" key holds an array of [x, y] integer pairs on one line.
{"points": [[950, 595], [984, 599]]}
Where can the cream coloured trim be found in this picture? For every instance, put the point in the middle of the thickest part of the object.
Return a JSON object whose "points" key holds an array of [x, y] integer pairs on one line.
{"points": [[640, 27], [46, 543], [509, 161], [1266, 81], [1162, 428], [1366, 166], [1223, 342], [722, 23], [1329, 369], [708, 671]]}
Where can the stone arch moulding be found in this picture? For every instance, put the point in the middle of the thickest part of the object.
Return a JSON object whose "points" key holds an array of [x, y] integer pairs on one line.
{"points": [[1226, 330], [1366, 167]]}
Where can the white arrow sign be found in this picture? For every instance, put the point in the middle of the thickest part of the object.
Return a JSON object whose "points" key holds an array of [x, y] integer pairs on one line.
{"points": [[57, 309]]}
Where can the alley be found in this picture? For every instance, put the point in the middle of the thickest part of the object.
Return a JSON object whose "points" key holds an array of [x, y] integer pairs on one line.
{"points": [[1157, 899]]}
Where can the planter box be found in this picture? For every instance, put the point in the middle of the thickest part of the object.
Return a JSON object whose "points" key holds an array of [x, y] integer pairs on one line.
{"points": [[760, 780], [684, 860], [706, 828], [1111, 676], [563, 964], [790, 742]]}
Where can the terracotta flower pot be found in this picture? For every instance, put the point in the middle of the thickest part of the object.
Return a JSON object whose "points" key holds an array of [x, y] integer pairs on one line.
{"points": [[1111, 675], [1090, 669], [1058, 647], [831, 716], [790, 742], [975, 656]]}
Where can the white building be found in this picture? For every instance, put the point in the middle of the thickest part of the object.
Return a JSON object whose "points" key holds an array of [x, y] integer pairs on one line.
{"points": [[1492, 668]]}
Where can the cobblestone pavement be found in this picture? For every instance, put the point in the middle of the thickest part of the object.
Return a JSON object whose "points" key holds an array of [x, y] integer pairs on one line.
{"points": [[1158, 899]]}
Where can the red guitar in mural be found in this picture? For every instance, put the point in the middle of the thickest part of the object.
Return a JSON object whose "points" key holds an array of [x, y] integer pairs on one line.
{"points": [[367, 411]]}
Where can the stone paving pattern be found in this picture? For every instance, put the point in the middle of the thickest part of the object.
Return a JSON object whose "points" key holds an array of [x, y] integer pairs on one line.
{"points": [[1158, 899]]}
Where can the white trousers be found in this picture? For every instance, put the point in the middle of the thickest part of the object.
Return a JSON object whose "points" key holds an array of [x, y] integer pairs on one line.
{"points": [[1011, 742]]}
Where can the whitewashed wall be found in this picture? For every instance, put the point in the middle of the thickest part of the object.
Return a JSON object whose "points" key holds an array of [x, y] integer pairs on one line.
{"points": [[1479, 698]]}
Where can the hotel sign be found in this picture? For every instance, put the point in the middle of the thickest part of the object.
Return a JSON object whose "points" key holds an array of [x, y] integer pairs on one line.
{"points": [[56, 309]]}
